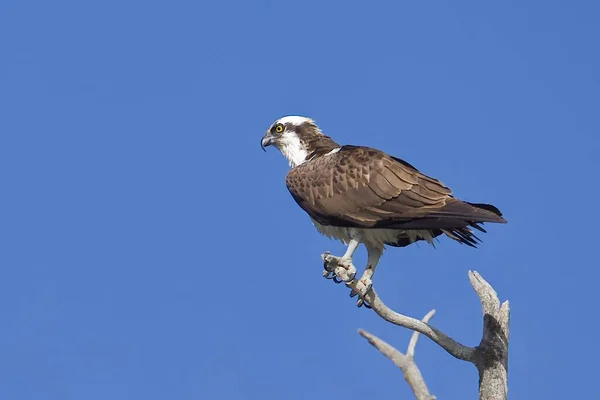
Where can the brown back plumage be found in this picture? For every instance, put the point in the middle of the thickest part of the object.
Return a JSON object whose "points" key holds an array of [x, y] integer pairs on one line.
{"points": [[366, 188]]}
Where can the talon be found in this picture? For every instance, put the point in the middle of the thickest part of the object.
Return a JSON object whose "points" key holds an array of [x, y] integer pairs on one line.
{"points": [[353, 293], [337, 280], [363, 302], [367, 285], [327, 274]]}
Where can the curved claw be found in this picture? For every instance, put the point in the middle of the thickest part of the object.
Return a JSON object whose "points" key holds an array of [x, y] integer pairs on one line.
{"points": [[326, 266], [336, 279], [328, 274], [363, 302], [353, 293]]}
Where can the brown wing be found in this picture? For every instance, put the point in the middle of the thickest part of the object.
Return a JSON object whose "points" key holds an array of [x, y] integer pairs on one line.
{"points": [[364, 187]]}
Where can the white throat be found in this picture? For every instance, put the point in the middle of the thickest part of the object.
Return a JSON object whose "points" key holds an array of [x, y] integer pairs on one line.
{"points": [[290, 146]]}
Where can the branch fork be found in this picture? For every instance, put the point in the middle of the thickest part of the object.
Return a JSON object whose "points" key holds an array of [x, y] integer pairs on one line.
{"points": [[490, 357]]}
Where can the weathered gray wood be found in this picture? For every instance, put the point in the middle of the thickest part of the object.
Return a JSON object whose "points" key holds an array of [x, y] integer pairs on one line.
{"points": [[490, 356], [406, 362]]}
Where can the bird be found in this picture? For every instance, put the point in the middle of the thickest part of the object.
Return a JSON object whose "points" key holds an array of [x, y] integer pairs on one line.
{"points": [[362, 195]]}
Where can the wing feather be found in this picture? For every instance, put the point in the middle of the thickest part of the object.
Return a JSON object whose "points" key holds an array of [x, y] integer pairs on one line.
{"points": [[396, 179], [364, 187], [382, 187]]}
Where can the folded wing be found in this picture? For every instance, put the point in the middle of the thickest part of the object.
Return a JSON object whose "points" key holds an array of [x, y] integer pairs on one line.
{"points": [[366, 188]]}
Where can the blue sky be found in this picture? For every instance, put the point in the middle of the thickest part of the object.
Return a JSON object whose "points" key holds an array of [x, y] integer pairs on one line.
{"points": [[151, 250]]}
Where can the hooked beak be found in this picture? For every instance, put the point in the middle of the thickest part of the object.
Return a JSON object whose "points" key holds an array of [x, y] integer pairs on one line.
{"points": [[266, 141]]}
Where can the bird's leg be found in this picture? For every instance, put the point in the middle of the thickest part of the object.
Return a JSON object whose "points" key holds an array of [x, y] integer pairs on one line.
{"points": [[365, 283], [341, 267]]}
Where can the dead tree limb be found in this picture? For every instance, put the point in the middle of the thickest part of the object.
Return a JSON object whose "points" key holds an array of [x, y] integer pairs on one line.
{"points": [[406, 362], [490, 357]]}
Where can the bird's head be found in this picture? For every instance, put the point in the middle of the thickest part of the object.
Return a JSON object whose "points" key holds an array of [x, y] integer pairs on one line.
{"points": [[298, 138]]}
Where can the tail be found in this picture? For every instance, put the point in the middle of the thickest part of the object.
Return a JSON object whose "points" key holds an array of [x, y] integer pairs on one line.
{"points": [[493, 214], [472, 215], [469, 212], [455, 220], [489, 212]]}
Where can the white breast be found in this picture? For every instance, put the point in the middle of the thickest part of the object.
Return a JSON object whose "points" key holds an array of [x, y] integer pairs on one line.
{"points": [[374, 237]]}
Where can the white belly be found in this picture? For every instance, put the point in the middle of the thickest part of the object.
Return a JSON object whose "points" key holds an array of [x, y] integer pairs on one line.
{"points": [[373, 237]]}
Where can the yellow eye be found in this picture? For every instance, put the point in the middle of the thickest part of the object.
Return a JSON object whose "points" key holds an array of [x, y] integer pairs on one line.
{"points": [[279, 128]]}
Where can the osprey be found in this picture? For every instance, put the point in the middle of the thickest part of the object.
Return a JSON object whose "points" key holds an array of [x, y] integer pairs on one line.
{"points": [[359, 195]]}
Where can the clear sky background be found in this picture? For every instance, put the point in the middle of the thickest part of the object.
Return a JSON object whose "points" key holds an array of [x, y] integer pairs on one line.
{"points": [[150, 249]]}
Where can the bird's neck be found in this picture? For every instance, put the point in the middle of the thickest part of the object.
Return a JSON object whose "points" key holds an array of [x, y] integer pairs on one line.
{"points": [[297, 151], [293, 149], [321, 145]]}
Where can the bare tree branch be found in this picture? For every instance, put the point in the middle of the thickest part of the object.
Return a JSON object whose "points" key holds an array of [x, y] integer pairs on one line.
{"points": [[490, 356], [405, 362], [415, 336], [456, 349], [492, 353]]}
